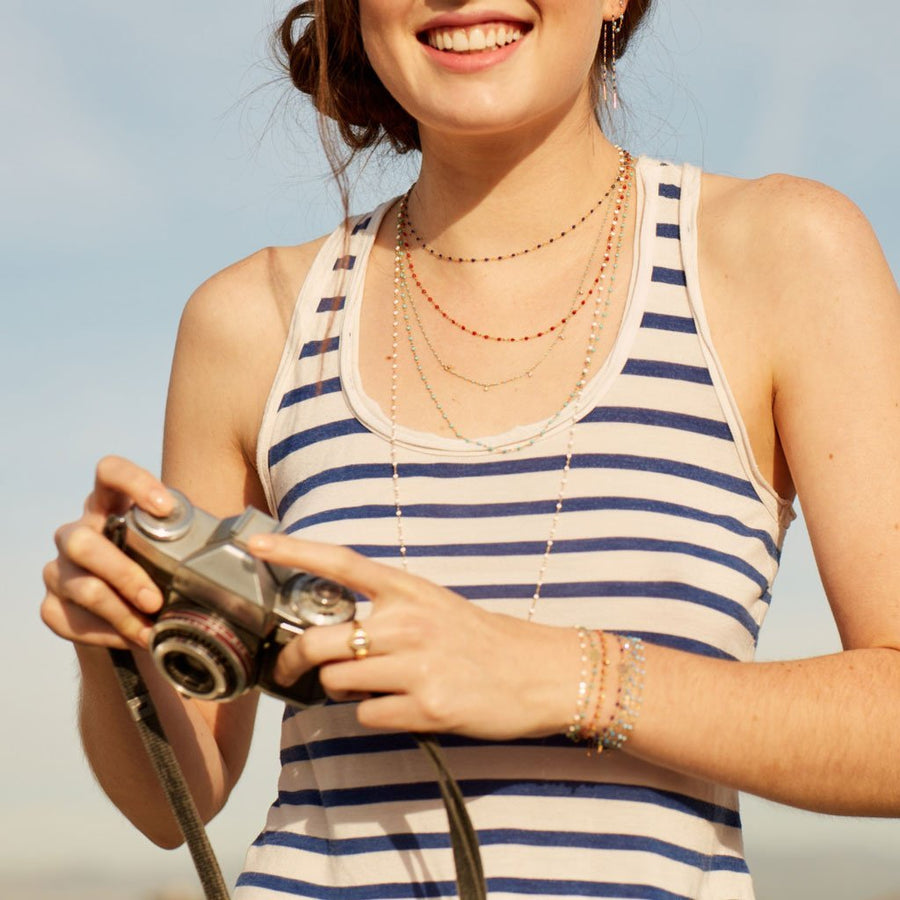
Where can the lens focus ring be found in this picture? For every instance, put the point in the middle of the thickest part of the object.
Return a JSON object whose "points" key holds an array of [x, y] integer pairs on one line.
{"points": [[201, 655]]}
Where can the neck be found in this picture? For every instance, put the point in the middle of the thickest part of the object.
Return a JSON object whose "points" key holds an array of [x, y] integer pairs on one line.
{"points": [[492, 192]]}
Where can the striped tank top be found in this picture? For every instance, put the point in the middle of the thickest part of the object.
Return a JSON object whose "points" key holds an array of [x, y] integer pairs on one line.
{"points": [[667, 531]]}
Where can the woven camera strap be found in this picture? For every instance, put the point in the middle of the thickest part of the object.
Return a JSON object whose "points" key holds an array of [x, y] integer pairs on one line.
{"points": [[463, 840]]}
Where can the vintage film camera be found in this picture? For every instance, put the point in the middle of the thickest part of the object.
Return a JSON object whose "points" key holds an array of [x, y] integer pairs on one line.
{"points": [[226, 615]]}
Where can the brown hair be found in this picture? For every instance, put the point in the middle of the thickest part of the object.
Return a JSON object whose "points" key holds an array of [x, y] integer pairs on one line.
{"points": [[346, 90]]}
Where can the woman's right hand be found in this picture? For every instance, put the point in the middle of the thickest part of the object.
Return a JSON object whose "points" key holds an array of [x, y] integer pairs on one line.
{"points": [[96, 595]]}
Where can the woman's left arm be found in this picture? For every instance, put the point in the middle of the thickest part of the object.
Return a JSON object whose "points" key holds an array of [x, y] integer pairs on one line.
{"points": [[820, 733]]}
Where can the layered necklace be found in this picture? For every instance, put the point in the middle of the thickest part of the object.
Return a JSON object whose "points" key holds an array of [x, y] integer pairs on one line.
{"points": [[406, 231], [601, 288], [558, 333], [446, 257]]}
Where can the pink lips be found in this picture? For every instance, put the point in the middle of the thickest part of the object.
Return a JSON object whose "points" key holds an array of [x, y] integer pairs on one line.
{"points": [[479, 57]]}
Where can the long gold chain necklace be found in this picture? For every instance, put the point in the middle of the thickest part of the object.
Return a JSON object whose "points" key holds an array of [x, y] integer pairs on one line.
{"points": [[611, 260], [446, 257]]}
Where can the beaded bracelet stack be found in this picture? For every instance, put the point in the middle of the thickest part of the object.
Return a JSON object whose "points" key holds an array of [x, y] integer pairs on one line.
{"points": [[591, 701]]}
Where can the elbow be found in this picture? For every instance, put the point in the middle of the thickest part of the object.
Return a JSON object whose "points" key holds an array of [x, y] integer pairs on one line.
{"points": [[165, 840], [163, 831]]}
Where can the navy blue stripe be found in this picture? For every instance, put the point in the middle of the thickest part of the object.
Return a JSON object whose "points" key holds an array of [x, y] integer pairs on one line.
{"points": [[670, 191], [668, 230], [686, 645], [658, 418], [657, 368], [539, 507], [577, 545], [422, 890], [662, 322], [361, 225], [344, 262], [663, 275], [411, 792], [298, 441], [541, 888], [331, 304], [666, 467], [627, 462], [294, 887], [298, 395], [314, 348], [657, 590], [519, 837], [399, 741]]}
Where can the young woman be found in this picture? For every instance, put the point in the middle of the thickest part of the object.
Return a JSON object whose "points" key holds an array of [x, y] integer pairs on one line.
{"points": [[547, 412]]}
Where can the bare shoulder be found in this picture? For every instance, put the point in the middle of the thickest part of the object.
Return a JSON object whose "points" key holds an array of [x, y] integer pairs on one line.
{"points": [[793, 249], [230, 341], [258, 292], [784, 226]]}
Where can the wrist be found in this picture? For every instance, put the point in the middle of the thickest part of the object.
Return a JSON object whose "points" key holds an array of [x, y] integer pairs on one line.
{"points": [[609, 689]]}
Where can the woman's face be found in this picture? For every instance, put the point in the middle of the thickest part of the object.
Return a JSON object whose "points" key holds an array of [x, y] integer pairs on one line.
{"points": [[486, 67]]}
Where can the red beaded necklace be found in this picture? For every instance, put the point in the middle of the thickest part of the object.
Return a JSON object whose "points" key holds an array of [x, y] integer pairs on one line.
{"points": [[404, 235]]}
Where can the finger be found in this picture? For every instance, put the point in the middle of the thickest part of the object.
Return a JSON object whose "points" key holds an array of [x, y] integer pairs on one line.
{"points": [[90, 551], [317, 646], [74, 623], [292, 662], [373, 675], [119, 482], [392, 712], [77, 589], [353, 570]]}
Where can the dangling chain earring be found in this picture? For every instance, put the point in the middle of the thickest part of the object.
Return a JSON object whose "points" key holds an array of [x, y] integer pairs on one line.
{"points": [[608, 52]]}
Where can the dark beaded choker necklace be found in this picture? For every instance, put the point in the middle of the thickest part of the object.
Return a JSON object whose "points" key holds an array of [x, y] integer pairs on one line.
{"points": [[446, 257]]}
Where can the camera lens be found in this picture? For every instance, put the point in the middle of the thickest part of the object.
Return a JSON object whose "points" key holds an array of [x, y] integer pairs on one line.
{"points": [[193, 669], [201, 655]]}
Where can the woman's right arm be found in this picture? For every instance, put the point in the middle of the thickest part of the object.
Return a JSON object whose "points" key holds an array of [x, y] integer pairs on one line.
{"points": [[229, 343]]}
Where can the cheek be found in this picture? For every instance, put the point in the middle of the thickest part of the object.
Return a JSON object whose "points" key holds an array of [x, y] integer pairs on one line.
{"points": [[380, 38]]}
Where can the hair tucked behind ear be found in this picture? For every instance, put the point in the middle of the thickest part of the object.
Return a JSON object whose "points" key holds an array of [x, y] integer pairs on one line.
{"points": [[321, 48], [320, 45]]}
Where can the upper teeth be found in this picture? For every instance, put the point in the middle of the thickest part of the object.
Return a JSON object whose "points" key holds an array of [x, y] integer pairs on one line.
{"points": [[478, 37]]}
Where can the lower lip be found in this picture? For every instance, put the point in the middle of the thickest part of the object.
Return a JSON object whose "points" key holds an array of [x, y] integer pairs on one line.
{"points": [[471, 62]]}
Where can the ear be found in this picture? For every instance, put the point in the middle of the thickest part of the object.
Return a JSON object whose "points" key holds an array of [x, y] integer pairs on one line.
{"points": [[613, 9]]}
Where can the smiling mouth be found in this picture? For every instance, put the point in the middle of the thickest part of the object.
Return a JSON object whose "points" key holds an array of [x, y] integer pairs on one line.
{"points": [[474, 39]]}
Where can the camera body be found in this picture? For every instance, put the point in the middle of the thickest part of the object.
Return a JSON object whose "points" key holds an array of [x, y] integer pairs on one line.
{"points": [[226, 615]]}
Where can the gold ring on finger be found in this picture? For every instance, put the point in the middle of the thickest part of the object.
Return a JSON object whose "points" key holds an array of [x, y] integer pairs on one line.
{"points": [[359, 642]]}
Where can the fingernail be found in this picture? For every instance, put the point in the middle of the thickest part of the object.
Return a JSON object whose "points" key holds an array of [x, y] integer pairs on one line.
{"points": [[147, 600], [143, 637], [260, 542], [159, 499]]}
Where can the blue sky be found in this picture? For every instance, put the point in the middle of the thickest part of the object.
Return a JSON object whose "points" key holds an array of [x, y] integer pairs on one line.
{"points": [[141, 153]]}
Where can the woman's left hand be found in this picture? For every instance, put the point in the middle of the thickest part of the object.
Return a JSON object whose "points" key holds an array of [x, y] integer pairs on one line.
{"points": [[436, 662]]}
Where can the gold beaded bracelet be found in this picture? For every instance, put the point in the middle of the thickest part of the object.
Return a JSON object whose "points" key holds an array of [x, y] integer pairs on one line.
{"points": [[592, 732], [589, 665], [585, 724]]}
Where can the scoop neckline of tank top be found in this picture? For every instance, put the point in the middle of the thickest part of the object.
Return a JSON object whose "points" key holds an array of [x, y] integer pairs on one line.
{"points": [[370, 414]]}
